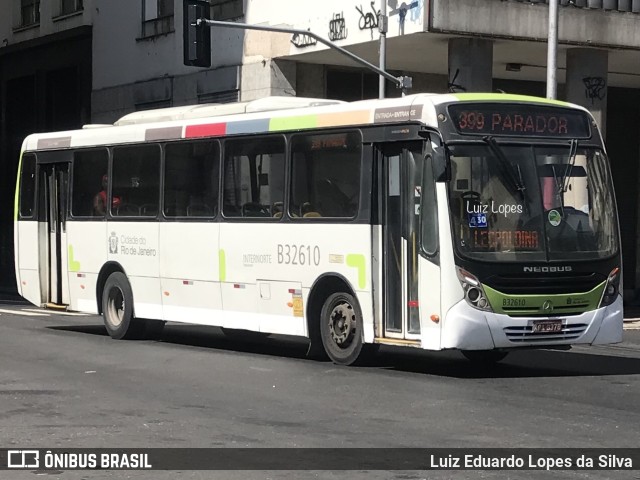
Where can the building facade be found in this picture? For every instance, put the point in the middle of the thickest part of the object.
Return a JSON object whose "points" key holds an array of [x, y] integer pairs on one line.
{"points": [[81, 61], [45, 84]]}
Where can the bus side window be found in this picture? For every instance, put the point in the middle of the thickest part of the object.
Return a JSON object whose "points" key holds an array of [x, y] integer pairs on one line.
{"points": [[326, 175], [254, 177], [89, 168], [191, 175], [27, 186], [136, 180]]}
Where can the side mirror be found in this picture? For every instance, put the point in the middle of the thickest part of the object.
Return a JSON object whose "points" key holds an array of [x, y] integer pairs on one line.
{"points": [[434, 148], [196, 38], [441, 166]]}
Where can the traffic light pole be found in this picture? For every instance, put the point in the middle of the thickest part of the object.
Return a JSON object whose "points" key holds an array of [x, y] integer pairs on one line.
{"points": [[402, 82]]}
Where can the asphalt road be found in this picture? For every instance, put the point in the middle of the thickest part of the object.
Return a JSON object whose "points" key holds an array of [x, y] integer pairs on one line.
{"points": [[65, 384]]}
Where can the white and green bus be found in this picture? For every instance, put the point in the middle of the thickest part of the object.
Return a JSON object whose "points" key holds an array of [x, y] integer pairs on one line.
{"points": [[478, 222]]}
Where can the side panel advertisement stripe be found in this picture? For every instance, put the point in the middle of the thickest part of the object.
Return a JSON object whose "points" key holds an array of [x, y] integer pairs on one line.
{"points": [[205, 130]]}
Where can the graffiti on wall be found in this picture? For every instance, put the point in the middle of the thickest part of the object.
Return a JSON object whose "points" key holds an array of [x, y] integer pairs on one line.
{"points": [[301, 41], [595, 87], [402, 10], [368, 20], [337, 28]]}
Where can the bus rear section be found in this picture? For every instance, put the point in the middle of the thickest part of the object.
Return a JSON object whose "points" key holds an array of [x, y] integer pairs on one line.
{"points": [[41, 254]]}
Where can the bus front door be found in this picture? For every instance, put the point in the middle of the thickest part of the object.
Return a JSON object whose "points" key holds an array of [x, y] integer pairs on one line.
{"points": [[402, 166], [53, 200]]}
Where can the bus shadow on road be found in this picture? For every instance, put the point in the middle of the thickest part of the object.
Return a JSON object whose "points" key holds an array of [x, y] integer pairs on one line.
{"points": [[88, 329], [210, 338], [519, 364]]}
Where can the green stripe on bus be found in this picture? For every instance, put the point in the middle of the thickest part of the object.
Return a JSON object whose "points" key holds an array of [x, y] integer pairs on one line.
{"points": [[222, 265], [15, 201], [506, 97], [293, 123], [565, 303], [74, 266], [356, 260]]}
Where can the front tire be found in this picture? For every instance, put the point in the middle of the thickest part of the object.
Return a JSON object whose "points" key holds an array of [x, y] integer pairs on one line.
{"points": [[117, 308], [341, 328]]}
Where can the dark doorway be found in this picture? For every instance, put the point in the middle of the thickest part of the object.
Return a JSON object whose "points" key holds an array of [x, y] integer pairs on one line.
{"points": [[623, 148], [45, 85]]}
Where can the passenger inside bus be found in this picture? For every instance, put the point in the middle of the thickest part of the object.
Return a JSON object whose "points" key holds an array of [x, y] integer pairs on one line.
{"points": [[100, 199]]}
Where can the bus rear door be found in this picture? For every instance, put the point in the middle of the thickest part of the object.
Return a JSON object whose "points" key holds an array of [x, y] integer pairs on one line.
{"points": [[53, 204]]}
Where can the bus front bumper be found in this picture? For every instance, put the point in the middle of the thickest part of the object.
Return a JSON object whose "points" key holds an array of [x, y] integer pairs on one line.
{"points": [[466, 328]]}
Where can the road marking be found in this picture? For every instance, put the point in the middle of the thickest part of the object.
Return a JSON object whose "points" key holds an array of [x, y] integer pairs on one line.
{"points": [[634, 325], [52, 312], [25, 314]]}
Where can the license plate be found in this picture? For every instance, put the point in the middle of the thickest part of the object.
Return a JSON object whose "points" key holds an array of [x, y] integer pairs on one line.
{"points": [[547, 326]]}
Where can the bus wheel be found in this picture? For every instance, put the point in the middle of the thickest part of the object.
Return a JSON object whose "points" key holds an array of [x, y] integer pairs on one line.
{"points": [[341, 328], [117, 308], [485, 357]]}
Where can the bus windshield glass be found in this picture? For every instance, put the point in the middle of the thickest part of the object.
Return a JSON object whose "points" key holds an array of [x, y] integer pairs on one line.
{"points": [[531, 203]]}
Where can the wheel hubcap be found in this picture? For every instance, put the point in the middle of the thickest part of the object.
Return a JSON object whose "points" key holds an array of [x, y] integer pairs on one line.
{"points": [[342, 324], [116, 306]]}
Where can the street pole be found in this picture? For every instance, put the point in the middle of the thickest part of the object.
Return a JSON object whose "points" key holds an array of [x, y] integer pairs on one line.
{"points": [[382, 27], [552, 50]]}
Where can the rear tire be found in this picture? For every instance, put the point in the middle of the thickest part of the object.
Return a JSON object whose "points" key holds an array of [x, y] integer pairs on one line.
{"points": [[341, 328], [117, 308], [485, 357]]}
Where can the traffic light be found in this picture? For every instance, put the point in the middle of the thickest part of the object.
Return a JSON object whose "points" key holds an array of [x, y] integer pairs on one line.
{"points": [[196, 38]]}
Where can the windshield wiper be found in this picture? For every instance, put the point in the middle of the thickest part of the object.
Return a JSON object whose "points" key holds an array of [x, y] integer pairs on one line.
{"points": [[516, 183], [573, 151], [559, 189], [562, 184]]}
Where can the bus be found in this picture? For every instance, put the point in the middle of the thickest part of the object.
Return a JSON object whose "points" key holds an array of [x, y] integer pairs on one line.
{"points": [[484, 223]]}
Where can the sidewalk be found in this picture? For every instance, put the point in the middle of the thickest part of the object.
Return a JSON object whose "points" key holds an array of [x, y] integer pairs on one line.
{"points": [[631, 313]]}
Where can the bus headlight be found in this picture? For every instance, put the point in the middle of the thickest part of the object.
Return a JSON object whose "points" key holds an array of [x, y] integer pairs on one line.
{"points": [[612, 288], [473, 292]]}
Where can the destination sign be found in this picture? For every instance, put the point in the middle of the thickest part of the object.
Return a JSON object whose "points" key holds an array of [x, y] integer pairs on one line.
{"points": [[502, 240], [519, 120]]}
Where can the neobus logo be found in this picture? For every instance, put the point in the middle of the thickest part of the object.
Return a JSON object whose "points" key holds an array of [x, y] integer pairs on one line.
{"points": [[566, 268]]}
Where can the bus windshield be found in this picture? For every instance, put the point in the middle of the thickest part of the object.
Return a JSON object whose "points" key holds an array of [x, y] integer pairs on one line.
{"points": [[531, 203]]}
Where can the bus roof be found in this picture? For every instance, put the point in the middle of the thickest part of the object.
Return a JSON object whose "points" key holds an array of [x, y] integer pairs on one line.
{"points": [[267, 115]]}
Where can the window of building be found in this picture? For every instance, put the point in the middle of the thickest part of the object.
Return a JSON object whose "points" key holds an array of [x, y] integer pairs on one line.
{"points": [[29, 12], [226, 9], [351, 85], [89, 185], [157, 17], [325, 178], [136, 181], [152, 105], [191, 172], [228, 96], [67, 7], [254, 177], [27, 186]]}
